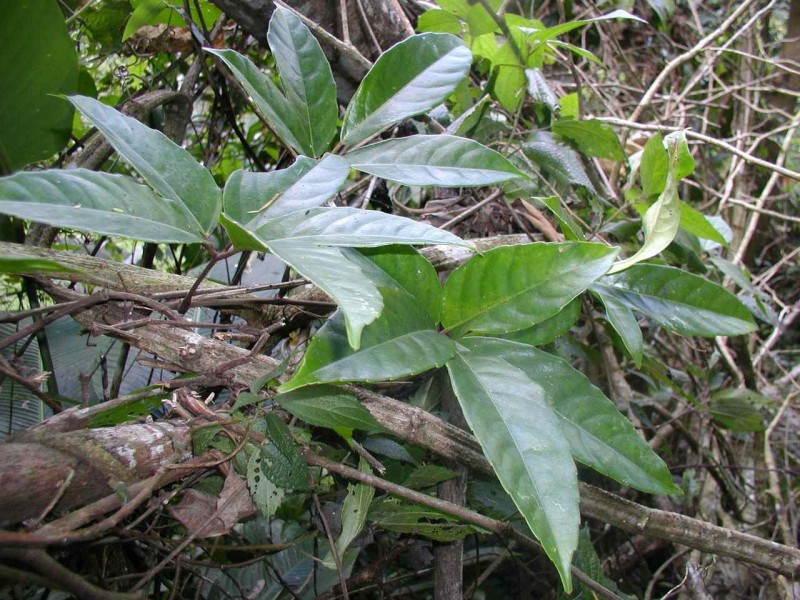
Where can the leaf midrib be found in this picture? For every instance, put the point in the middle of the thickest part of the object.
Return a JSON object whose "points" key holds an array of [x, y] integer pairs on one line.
{"points": [[516, 445], [514, 296]]}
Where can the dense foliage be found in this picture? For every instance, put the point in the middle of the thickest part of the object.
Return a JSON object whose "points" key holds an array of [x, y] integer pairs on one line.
{"points": [[574, 320]]}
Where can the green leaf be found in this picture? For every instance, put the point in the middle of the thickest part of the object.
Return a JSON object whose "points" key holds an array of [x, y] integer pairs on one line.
{"points": [[514, 287], [38, 61], [523, 440], [696, 223], [282, 462], [419, 520], [549, 329], [166, 167], [354, 514], [591, 137], [307, 79], [99, 202], [540, 91], [427, 476], [654, 166], [679, 301], [739, 409], [598, 434], [268, 100], [327, 406], [409, 79], [411, 272], [556, 160], [266, 495], [433, 160], [252, 198], [439, 21], [339, 273], [19, 265], [621, 318], [662, 219], [401, 342], [345, 226]]}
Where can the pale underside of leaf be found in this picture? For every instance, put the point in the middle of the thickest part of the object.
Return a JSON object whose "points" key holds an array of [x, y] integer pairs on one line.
{"points": [[100, 202], [338, 273], [165, 166], [433, 160]]}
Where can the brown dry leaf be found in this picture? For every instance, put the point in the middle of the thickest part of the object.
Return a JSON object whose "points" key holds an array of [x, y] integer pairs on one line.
{"points": [[208, 516]]}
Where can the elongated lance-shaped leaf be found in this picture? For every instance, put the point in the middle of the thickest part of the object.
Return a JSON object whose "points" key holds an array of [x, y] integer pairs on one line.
{"points": [[598, 434], [268, 100], [307, 79], [253, 198], [621, 318], [522, 438], [677, 300], [440, 160], [166, 167], [549, 329], [662, 219], [402, 341], [354, 514], [339, 273], [409, 79], [98, 202], [514, 287], [344, 226]]}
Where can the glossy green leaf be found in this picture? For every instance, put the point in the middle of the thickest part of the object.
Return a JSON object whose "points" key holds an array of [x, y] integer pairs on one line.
{"points": [[591, 137], [433, 160], [514, 287], [99, 202], [339, 272], [20, 265], [622, 319], [739, 409], [402, 341], [523, 440], [409, 79], [677, 300], [549, 329], [696, 223], [38, 60], [661, 221], [419, 520], [598, 434], [556, 160], [306, 77], [253, 198], [166, 167], [267, 98], [327, 406], [345, 226], [412, 272]]}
